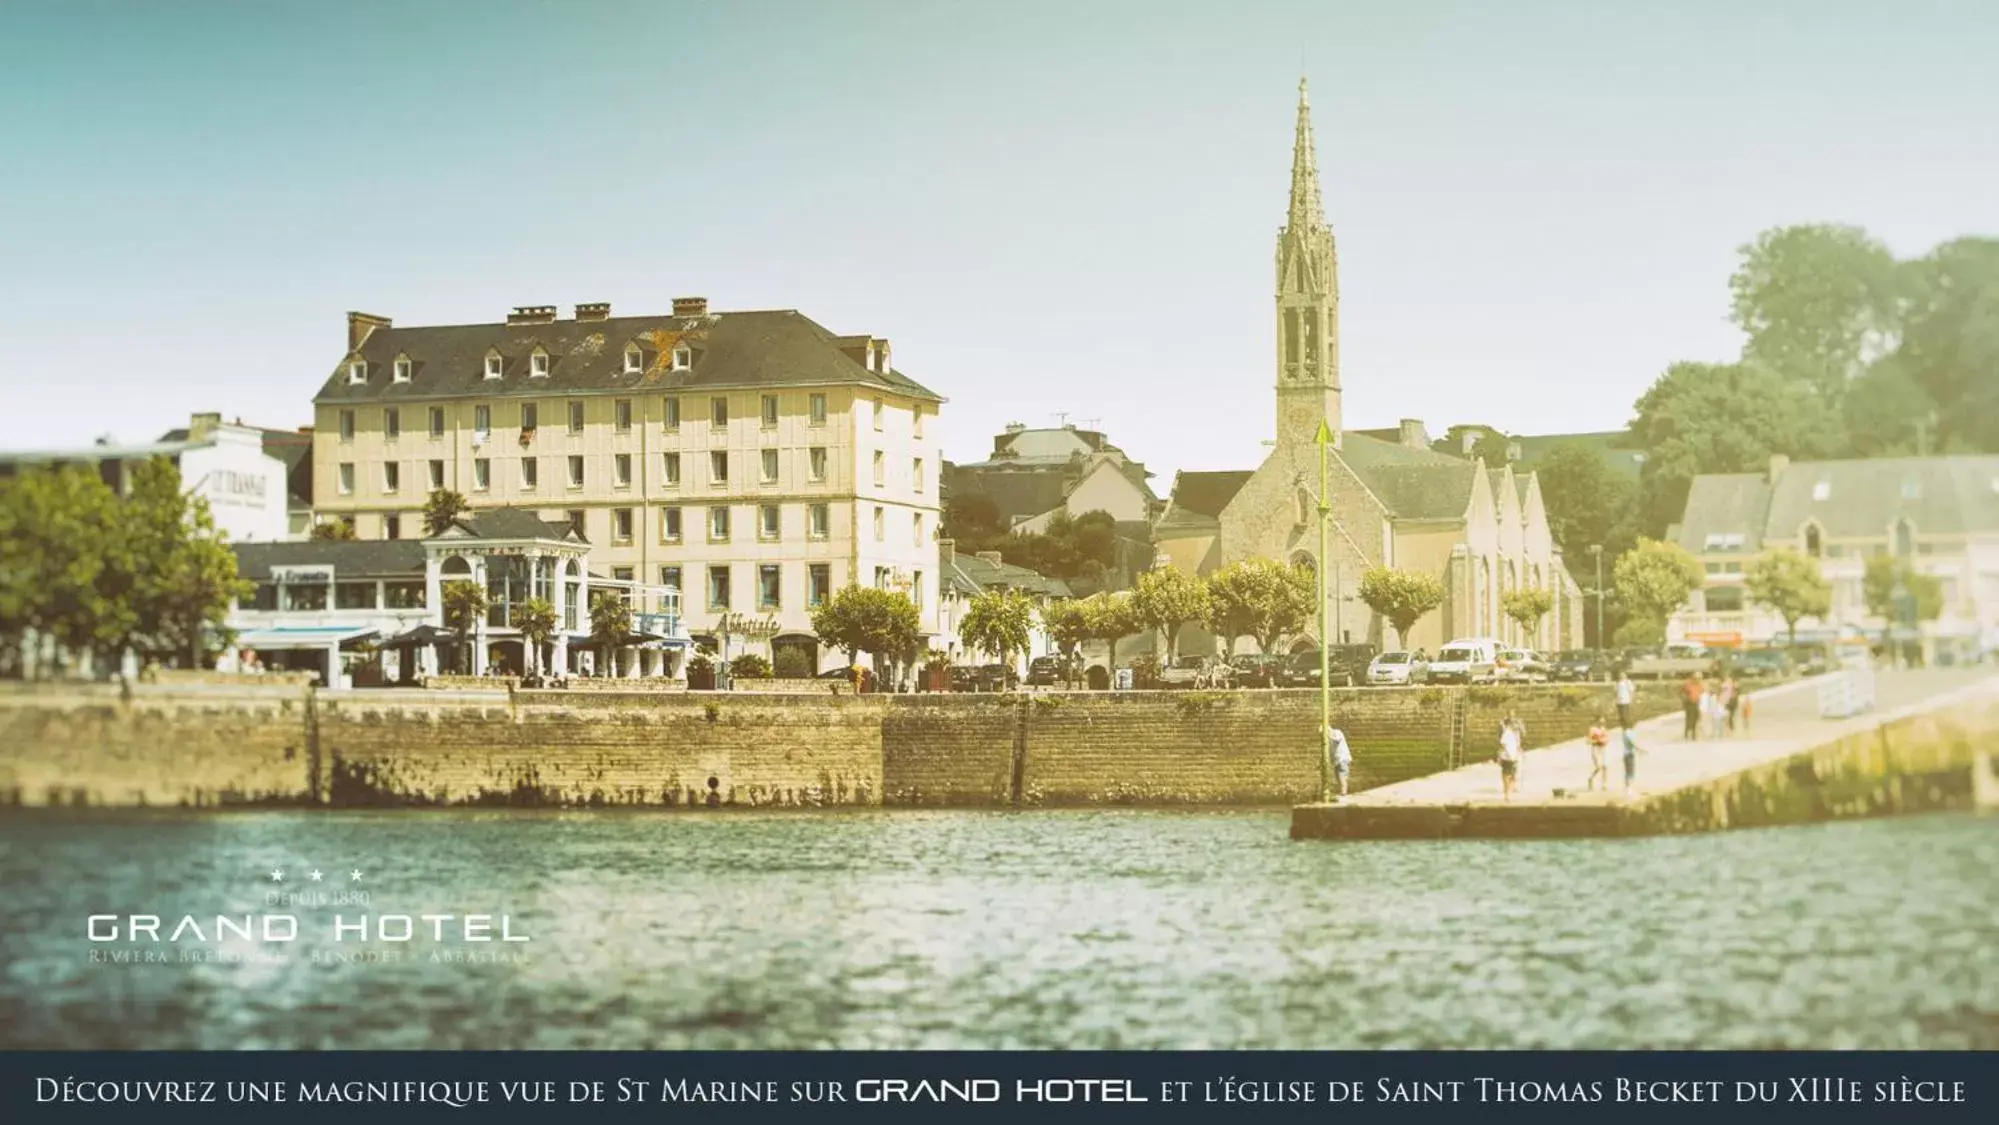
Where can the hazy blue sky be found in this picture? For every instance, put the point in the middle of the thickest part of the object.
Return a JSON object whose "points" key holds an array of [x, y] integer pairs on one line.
{"points": [[1065, 206]]}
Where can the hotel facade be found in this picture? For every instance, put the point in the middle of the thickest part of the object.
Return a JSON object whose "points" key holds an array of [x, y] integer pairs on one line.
{"points": [[754, 461]]}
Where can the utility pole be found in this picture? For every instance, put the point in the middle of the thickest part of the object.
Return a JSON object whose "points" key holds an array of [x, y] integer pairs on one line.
{"points": [[1597, 550], [1325, 441]]}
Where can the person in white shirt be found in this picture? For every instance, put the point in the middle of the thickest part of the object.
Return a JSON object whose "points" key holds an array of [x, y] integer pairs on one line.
{"points": [[1509, 757], [1627, 694], [1342, 755]]}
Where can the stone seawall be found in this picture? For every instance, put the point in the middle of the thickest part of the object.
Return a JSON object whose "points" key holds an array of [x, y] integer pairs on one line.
{"points": [[218, 746]]}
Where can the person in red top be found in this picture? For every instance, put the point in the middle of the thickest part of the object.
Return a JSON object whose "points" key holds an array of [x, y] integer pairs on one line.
{"points": [[1691, 690], [1599, 738]]}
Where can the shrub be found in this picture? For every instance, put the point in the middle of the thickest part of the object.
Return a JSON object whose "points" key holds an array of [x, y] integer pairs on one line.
{"points": [[793, 664], [750, 666]]}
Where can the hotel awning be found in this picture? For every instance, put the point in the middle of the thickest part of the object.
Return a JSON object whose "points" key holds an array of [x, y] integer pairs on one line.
{"points": [[303, 637]]}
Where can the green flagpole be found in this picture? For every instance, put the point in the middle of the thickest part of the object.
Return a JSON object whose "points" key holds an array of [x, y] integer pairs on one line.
{"points": [[1325, 441]]}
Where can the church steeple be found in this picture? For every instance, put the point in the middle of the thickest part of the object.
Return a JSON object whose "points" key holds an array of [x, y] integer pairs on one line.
{"points": [[1308, 300]]}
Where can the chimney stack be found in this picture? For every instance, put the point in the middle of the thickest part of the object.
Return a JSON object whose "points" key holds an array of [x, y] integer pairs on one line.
{"points": [[362, 325], [532, 314], [1778, 463], [600, 310], [947, 552], [1412, 435], [690, 306], [201, 427]]}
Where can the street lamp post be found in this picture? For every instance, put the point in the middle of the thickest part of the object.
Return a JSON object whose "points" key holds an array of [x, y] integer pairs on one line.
{"points": [[1597, 550], [1325, 441]]}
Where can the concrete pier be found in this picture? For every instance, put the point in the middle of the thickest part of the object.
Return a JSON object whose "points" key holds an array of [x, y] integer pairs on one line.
{"points": [[1930, 742]]}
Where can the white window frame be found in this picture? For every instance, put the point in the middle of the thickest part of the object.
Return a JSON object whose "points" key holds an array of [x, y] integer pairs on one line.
{"points": [[634, 360], [482, 481], [403, 367], [767, 466], [815, 410], [822, 516], [495, 365], [357, 371], [344, 478], [683, 358], [816, 461], [670, 529], [621, 470], [719, 524], [576, 470], [530, 474], [669, 469], [435, 469], [630, 522], [538, 364], [392, 477], [718, 468], [770, 523]]}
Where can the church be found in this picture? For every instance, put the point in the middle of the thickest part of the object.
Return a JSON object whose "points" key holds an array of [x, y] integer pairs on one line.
{"points": [[1395, 501]]}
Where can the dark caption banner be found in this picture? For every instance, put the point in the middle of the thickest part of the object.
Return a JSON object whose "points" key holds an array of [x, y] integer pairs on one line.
{"points": [[1100, 1086]]}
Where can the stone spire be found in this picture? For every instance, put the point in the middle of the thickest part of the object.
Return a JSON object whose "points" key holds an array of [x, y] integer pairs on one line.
{"points": [[1307, 212]]}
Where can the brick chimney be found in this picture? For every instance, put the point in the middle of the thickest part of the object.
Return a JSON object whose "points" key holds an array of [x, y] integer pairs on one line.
{"points": [[532, 314], [1411, 434], [690, 306], [600, 310], [1778, 463], [362, 325], [947, 552]]}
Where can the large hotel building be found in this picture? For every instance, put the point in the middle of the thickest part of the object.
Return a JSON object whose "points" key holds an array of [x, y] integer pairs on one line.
{"points": [[754, 461]]}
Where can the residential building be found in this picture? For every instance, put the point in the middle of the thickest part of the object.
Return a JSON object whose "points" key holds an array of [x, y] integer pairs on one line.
{"points": [[968, 576], [1941, 514], [230, 465], [1033, 475], [1481, 530], [753, 460]]}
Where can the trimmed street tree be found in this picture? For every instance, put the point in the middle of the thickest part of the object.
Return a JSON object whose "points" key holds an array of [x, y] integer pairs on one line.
{"points": [[1527, 606], [1069, 625], [56, 527], [998, 622], [1261, 599], [1112, 617], [1878, 586], [340, 529], [1403, 597], [1655, 579], [1788, 584], [464, 604], [443, 507], [610, 625], [535, 618], [883, 623], [1167, 599]]}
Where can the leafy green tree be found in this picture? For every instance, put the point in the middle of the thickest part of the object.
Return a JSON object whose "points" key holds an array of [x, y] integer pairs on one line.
{"points": [[57, 528], [464, 605], [188, 577], [1722, 418], [883, 623], [1588, 502], [1489, 445], [752, 666], [1788, 584], [1819, 302], [441, 508], [1950, 344], [1884, 574], [610, 625], [1655, 579], [1261, 599], [1401, 597], [998, 622], [535, 618], [1527, 605], [1167, 599], [1888, 414], [1068, 624], [1112, 617], [340, 529]]}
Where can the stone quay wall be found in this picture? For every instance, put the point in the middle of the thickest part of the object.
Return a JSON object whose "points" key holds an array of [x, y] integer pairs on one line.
{"points": [[216, 746]]}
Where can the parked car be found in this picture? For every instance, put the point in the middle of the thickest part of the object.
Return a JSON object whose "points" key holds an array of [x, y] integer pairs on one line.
{"points": [[1301, 669], [1184, 672], [1761, 664], [1044, 671], [982, 677], [1520, 665], [1673, 662], [1810, 660], [1581, 665], [1397, 668], [1629, 656], [1469, 660], [1256, 670]]}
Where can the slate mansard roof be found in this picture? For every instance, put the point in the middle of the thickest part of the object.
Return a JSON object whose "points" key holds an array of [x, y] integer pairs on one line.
{"points": [[729, 350], [1851, 499]]}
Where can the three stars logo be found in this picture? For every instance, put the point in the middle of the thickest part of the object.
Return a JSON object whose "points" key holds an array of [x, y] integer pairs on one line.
{"points": [[316, 875]]}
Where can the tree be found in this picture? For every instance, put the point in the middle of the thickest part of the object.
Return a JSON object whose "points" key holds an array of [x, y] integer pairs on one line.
{"points": [[859, 619], [998, 622], [441, 509], [1881, 580], [535, 618], [1262, 599], [1655, 579], [1588, 502], [753, 666], [1527, 605], [1488, 444], [1788, 584], [464, 605], [1950, 346], [610, 625], [1889, 414], [1722, 418], [1112, 617], [1167, 599], [1819, 303], [341, 529], [1068, 624], [57, 527], [1402, 597]]}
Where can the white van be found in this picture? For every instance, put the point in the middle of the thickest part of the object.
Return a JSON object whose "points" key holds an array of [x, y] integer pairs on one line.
{"points": [[1468, 660]]}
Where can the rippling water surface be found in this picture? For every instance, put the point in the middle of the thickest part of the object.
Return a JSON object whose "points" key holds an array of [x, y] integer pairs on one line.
{"points": [[1046, 929]]}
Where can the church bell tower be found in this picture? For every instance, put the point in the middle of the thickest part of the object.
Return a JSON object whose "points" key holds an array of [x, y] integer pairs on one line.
{"points": [[1308, 302]]}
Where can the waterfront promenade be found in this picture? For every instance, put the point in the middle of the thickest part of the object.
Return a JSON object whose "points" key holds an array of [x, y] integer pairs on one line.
{"points": [[1551, 799]]}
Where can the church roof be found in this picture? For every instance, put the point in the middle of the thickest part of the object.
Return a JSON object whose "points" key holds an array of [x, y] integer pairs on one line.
{"points": [[1421, 492], [1207, 493]]}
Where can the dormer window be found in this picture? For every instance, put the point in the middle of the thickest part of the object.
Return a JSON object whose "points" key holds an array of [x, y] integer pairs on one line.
{"points": [[357, 371], [683, 358], [402, 369], [634, 359], [492, 365], [538, 363], [1822, 490]]}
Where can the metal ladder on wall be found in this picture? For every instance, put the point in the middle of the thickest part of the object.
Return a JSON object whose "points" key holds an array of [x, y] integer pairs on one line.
{"points": [[1454, 756]]}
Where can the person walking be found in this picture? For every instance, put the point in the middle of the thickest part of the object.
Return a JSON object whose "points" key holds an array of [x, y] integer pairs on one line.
{"points": [[1342, 755], [1711, 709], [1630, 761], [1627, 694], [1690, 708], [1509, 757], [1731, 700], [1599, 741]]}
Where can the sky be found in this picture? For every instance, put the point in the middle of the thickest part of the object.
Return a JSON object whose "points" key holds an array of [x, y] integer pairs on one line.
{"points": [[1050, 208]]}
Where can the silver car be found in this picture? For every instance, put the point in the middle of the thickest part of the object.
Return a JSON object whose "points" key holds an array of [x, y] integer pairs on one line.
{"points": [[1392, 668]]}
